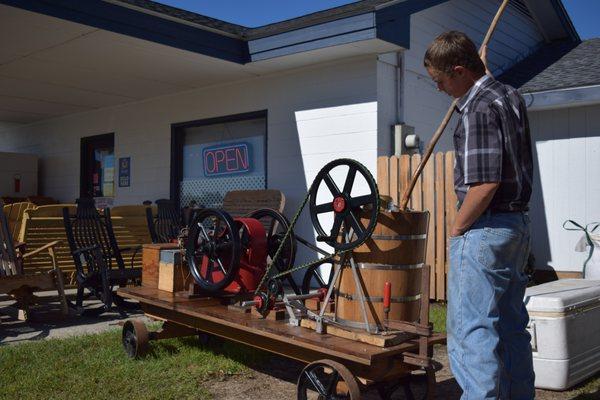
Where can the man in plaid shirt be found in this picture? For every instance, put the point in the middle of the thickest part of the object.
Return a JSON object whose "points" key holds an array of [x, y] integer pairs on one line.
{"points": [[488, 344]]}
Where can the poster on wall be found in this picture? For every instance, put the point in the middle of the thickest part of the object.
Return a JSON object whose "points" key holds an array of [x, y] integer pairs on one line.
{"points": [[124, 172]]}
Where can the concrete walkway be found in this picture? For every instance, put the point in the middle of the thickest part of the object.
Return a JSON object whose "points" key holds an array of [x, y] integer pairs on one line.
{"points": [[46, 321]]}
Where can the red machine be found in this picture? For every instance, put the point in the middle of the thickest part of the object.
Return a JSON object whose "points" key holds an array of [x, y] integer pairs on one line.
{"points": [[253, 258], [229, 256]]}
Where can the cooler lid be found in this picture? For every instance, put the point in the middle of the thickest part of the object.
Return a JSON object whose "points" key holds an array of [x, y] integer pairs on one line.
{"points": [[562, 295]]}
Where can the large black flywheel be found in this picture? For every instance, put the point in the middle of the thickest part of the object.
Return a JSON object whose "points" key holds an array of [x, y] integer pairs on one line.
{"points": [[213, 250], [276, 225], [344, 200]]}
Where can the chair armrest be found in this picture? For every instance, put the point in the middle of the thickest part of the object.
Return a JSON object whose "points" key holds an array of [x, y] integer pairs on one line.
{"points": [[85, 249], [39, 250], [134, 248], [20, 246]]}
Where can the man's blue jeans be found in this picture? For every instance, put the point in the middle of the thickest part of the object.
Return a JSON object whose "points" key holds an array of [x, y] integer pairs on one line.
{"points": [[488, 344]]}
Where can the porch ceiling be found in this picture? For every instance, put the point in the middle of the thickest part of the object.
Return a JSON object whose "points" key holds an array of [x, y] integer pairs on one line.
{"points": [[51, 67]]}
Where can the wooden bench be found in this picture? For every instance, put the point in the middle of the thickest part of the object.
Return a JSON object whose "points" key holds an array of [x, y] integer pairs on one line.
{"points": [[40, 225], [20, 282], [44, 223], [42, 200], [14, 215], [10, 200], [242, 202]]}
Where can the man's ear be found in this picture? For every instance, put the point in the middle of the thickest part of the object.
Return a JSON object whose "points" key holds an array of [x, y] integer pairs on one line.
{"points": [[459, 70]]}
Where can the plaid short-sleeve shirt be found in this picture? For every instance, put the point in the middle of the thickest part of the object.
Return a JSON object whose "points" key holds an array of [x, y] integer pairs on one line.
{"points": [[493, 144]]}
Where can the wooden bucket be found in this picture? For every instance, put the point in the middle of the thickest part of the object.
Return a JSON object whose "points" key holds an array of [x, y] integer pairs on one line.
{"points": [[395, 253]]}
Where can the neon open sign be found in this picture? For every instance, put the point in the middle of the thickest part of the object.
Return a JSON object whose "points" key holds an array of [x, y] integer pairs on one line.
{"points": [[226, 160]]}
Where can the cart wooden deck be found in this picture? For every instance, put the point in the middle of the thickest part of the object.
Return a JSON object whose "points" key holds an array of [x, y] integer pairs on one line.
{"points": [[372, 363]]}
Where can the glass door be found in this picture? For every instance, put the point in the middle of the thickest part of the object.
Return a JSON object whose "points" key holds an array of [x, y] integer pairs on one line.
{"points": [[98, 168]]}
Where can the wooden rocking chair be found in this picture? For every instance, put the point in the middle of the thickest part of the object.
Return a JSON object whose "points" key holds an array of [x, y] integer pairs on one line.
{"points": [[22, 285], [97, 257]]}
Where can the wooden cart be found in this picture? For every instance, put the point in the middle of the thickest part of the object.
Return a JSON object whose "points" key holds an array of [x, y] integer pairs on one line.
{"points": [[334, 364]]}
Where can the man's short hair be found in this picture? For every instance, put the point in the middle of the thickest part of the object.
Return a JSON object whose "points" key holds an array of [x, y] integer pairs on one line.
{"points": [[451, 49]]}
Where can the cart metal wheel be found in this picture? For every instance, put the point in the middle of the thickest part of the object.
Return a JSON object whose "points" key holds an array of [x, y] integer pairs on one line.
{"points": [[327, 379], [135, 338], [418, 385]]}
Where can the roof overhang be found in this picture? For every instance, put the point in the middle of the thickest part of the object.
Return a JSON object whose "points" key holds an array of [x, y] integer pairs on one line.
{"points": [[562, 98], [552, 19], [59, 57]]}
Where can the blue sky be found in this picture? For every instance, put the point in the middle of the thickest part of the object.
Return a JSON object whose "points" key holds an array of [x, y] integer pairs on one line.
{"points": [[252, 13]]}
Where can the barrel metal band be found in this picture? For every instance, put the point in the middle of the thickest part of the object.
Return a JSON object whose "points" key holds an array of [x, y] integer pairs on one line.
{"points": [[399, 237], [379, 299], [399, 267]]}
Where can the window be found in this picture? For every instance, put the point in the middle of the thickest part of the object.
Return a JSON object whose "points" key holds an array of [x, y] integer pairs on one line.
{"points": [[97, 166], [219, 155]]}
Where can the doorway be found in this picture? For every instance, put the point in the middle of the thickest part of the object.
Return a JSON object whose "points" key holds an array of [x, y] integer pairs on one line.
{"points": [[97, 166]]}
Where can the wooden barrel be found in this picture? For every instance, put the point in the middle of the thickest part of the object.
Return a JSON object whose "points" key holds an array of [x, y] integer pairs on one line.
{"points": [[394, 253]]}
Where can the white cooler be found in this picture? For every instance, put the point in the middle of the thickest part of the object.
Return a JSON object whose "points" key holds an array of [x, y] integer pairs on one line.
{"points": [[565, 331]]}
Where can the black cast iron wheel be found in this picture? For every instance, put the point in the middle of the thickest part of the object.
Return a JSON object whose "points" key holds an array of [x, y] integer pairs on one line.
{"points": [[213, 250], [347, 207], [327, 379], [135, 338], [315, 278], [415, 386], [276, 225]]}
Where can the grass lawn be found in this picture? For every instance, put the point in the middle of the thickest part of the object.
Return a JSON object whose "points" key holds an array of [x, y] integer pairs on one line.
{"points": [[95, 366], [437, 315]]}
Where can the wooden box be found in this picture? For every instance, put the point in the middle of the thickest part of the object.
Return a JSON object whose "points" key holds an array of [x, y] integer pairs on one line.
{"points": [[150, 261], [174, 274]]}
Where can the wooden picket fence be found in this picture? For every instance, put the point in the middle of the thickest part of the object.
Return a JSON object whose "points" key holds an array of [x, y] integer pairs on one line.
{"points": [[434, 192]]}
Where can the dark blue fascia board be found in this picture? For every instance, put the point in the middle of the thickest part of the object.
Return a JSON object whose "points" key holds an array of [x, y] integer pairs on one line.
{"points": [[393, 22], [119, 19], [565, 20]]}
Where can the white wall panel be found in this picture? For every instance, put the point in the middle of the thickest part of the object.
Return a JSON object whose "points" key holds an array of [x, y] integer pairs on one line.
{"points": [[23, 167], [315, 114], [567, 161]]}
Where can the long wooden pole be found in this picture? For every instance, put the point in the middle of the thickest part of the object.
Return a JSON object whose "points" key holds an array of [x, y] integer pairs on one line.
{"points": [[440, 129]]}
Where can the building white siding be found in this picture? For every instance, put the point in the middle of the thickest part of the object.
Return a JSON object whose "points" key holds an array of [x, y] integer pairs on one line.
{"points": [[315, 114], [388, 100], [566, 184], [516, 37], [22, 168]]}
